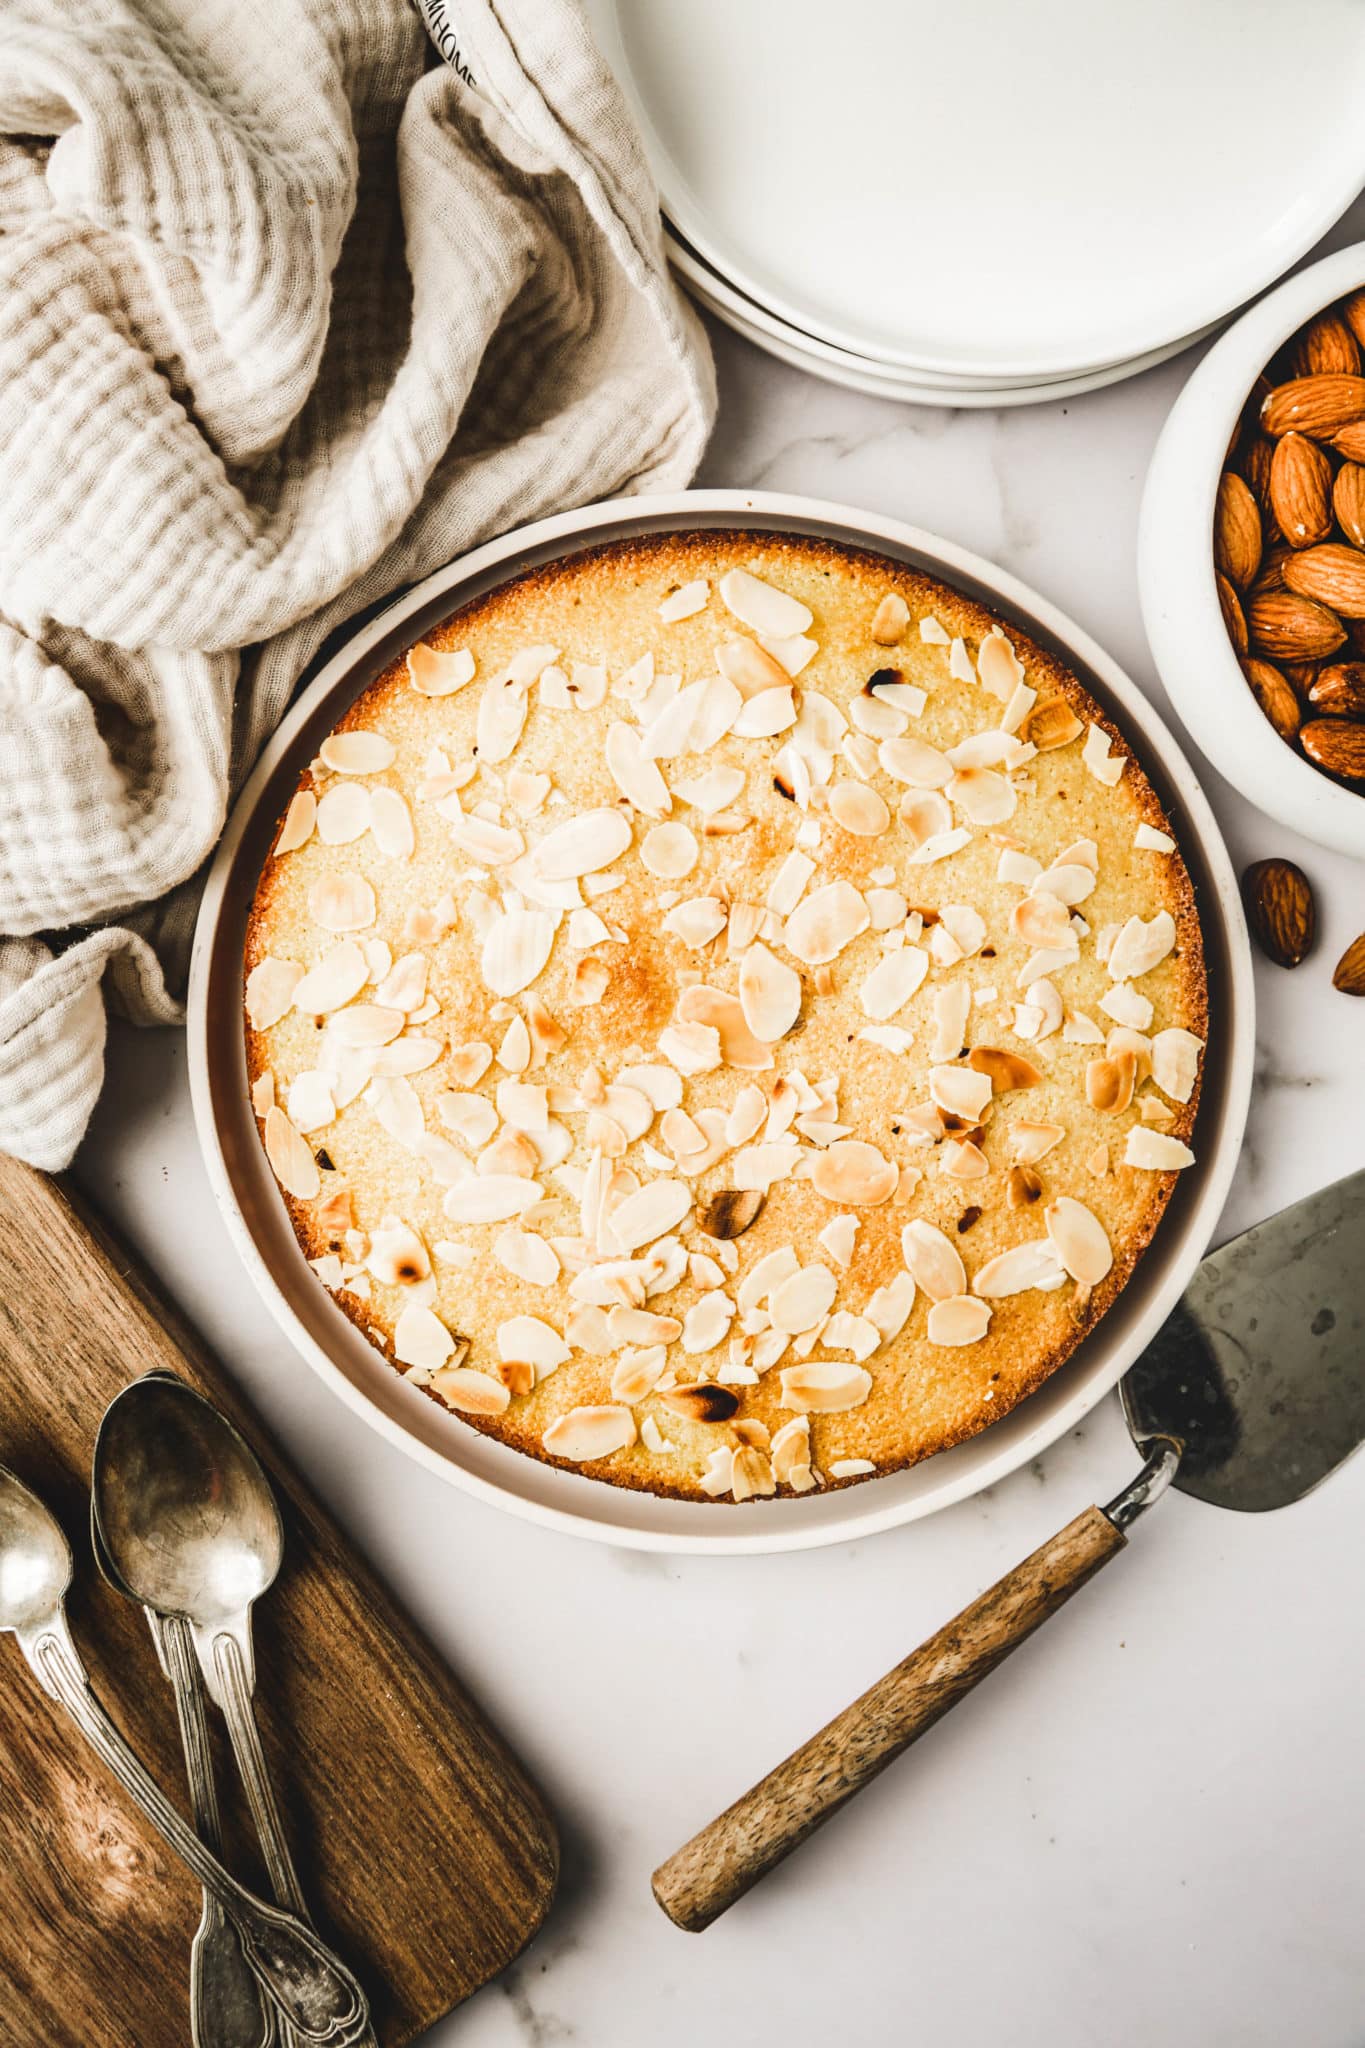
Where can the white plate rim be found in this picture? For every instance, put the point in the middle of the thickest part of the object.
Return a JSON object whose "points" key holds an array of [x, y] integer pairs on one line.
{"points": [[856, 1510], [1249, 281], [853, 374], [724, 296]]}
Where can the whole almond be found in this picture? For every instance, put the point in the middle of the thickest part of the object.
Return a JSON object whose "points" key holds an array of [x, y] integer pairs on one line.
{"points": [[1327, 347], [1233, 616], [1349, 973], [1280, 910], [1352, 311], [1288, 627], [1339, 690], [1256, 460], [1348, 502], [1336, 745], [1301, 490], [1300, 676], [1350, 442], [1332, 575], [1274, 696], [1237, 529], [1320, 406], [1270, 575]]}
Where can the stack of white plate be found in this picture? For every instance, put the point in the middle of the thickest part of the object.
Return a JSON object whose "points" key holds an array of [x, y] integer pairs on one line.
{"points": [[983, 202]]}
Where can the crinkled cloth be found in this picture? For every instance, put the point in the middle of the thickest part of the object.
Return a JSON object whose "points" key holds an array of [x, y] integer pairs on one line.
{"points": [[290, 314]]}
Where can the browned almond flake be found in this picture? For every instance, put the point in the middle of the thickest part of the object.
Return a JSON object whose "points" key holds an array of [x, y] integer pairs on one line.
{"points": [[1301, 490], [1007, 1069], [1280, 910], [1236, 530], [1338, 691], [1234, 618], [1320, 406], [1274, 695], [1336, 745], [730, 1212], [1286, 625], [1023, 1187], [704, 1401], [1050, 724], [1349, 973], [1332, 575]]}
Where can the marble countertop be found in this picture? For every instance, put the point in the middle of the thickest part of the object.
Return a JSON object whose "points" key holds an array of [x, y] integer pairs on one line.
{"points": [[1148, 1824]]}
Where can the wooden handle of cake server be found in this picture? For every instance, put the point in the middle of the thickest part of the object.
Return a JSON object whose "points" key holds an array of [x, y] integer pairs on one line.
{"points": [[697, 1884]]}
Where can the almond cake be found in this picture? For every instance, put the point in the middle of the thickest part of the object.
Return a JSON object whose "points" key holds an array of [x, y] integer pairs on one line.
{"points": [[725, 1014]]}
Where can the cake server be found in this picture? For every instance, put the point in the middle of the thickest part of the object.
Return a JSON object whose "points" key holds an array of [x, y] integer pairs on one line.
{"points": [[1247, 1398], [321, 1999]]}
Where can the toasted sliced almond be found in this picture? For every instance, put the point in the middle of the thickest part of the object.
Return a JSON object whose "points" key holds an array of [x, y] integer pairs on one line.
{"points": [[802, 1301], [1106, 767], [697, 921], [270, 991], [757, 1167], [961, 1319], [391, 823], [338, 977], [585, 1434], [299, 821], [1023, 1266], [365, 1024], [858, 809], [962, 1091], [469, 1391], [986, 796], [893, 981], [824, 1386], [890, 619], [490, 1198], [702, 1401], [342, 903], [825, 922], [343, 814], [998, 666], [439, 672], [528, 1256], [769, 994], [422, 1339], [1175, 1062], [855, 1173], [1079, 1239], [1030, 1142], [582, 844], [751, 668], [1156, 1151], [766, 714], [484, 840], [915, 762], [1141, 945], [1127, 1006], [684, 602], [669, 851], [291, 1157], [714, 1009], [357, 753], [1007, 1070], [762, 608], [729, 1213], [933, 1261], [397, 1256]]}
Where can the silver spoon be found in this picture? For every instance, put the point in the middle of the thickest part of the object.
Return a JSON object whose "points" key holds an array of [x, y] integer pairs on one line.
{"points": [[227, 2006], [319, 1997], [186, 1512]]}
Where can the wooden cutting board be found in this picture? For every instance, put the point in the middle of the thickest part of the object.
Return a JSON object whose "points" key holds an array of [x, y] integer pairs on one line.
{"points": [[427, 1855]]}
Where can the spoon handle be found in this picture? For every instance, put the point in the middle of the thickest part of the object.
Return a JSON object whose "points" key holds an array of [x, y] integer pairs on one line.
{"points": [[316, 1993], [233, 1688], [235, 1692], [227, 2007]]}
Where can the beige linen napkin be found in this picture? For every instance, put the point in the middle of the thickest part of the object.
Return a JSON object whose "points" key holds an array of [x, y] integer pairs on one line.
{"points": [[291, 313]]}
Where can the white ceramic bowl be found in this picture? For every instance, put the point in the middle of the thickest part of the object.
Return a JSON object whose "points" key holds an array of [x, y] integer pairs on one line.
{"points": [[335, 1349], [1189, 642]]}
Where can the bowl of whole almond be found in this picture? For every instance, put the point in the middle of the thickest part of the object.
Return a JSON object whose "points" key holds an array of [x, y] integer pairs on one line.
{"points": [[1251, 553]]}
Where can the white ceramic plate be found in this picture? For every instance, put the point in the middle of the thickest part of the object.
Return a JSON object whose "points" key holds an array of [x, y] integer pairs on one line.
{"points": [[987, 188], [564, 1500], [758, 324], [857, 373]]}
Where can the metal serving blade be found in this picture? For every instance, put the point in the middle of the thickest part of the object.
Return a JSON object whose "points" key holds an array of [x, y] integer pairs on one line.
{"points": [[1260, 1372]]}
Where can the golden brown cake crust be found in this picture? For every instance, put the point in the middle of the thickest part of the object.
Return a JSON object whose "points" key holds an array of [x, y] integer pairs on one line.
{"points": [[600, 607]]}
